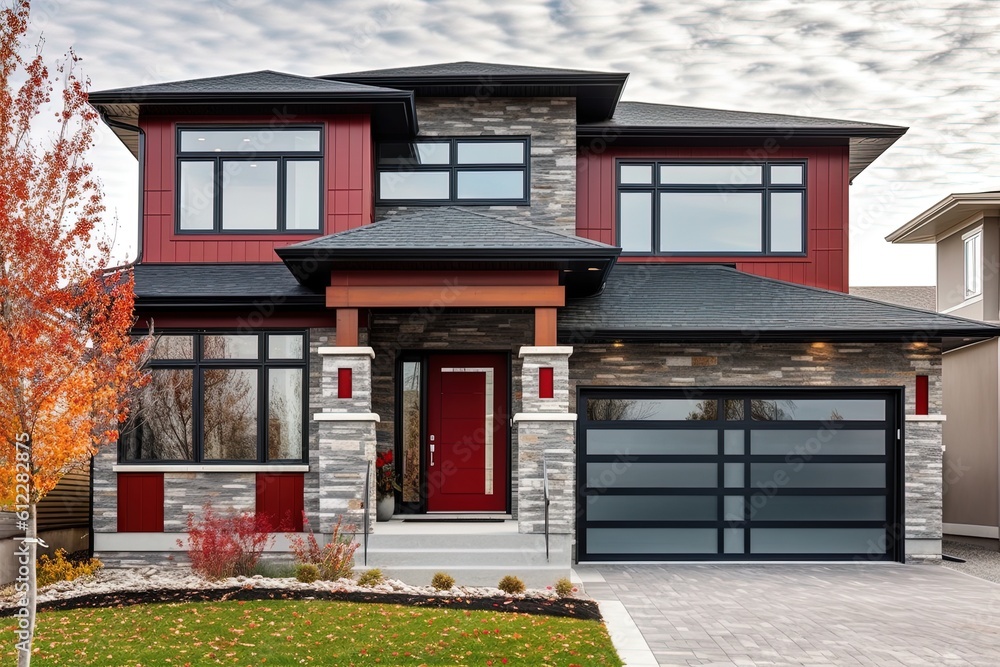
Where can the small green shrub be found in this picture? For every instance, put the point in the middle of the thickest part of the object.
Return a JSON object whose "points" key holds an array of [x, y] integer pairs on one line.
{"points": [[272, 570], [442, 581], [372, 577], [306, 572], [564, 588], [51, 570], [511, 585]]}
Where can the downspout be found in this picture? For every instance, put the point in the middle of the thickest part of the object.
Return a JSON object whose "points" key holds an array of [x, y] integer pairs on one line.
{"points": [[110, 122]]}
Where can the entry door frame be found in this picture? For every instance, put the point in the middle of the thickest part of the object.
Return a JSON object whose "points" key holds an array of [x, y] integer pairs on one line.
{"points": [[423, 358]]}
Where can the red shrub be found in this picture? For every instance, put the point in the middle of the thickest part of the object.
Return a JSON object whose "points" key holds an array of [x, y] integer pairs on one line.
{"points": [[226, 545], [335, 559]]}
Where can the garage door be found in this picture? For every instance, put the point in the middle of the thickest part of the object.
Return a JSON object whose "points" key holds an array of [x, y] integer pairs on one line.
{"points": [[738, 475]]}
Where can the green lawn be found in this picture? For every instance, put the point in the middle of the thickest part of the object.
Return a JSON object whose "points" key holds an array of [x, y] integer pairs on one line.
{"points": [[311, 633]]}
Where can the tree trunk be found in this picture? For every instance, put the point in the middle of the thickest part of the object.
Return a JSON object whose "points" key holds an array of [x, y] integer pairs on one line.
{"points": [[24, 648]]}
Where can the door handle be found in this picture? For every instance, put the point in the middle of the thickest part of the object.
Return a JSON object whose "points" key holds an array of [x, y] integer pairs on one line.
{"points": [[432, 456]]}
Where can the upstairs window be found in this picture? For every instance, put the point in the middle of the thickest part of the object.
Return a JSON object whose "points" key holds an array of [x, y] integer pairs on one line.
{"points": [[973, 263], [701, 208], [249, 180], [222, 397], [470, 170]]}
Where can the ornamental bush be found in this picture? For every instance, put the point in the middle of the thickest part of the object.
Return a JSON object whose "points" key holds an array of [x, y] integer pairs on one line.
{"points": [[226, 545], [511, 585], [372, 577], [442, 581], [335, 559], [59, 568]]}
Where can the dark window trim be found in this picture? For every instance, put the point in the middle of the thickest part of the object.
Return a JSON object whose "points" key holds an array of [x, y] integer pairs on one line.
{"points": [[281, 157], [197, 364], [765, 188], [453, 168]]}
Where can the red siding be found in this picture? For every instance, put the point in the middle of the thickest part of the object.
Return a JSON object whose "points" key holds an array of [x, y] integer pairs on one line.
{"points": [[348, 201], [546, 382], [825, 264], [345, 383], [280, 499], [140, 502], [922, 402]]}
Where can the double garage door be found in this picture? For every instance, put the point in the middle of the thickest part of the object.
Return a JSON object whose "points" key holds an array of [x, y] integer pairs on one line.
{"points": [[739, 475]]}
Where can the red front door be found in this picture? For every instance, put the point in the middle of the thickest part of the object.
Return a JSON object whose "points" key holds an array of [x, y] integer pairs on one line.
{"points": [[466, 451]]}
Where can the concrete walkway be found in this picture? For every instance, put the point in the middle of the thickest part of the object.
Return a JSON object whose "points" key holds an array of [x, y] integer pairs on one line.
{"points": [[866, 614]]}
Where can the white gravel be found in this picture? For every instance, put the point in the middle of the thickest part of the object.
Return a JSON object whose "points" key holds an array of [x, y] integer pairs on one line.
{"points": [[980, 560], [179, 577]]}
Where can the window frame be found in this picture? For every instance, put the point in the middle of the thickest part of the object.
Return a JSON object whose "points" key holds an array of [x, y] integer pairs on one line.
{"points": [[453, 168], [217, 158], [765, 189], [197, 364], [974, 237]]}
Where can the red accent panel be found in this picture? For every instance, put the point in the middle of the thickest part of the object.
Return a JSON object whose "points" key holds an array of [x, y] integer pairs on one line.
{"points": [[280, 499], [345, 383], [140, 502], [825, 263], [546, 382], [923, 396], [456, 416], [348, 188]]}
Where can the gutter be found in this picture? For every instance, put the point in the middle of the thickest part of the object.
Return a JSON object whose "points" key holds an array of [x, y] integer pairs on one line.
{"points": [[110, 122]]}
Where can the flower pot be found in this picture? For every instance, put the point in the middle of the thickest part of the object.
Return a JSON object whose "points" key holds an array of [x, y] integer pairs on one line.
{"points": [[385, 508]]}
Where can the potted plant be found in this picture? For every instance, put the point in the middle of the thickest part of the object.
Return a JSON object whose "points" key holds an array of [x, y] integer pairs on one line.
{"points": [[385, 486]]}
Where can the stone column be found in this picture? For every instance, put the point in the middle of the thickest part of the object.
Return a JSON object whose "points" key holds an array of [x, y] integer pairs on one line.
{"points": [[346, 438], [546, 430], [923, 466]]}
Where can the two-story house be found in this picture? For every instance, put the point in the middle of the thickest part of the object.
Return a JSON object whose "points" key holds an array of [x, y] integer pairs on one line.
{"points": [[966, 230], [588, 329]]}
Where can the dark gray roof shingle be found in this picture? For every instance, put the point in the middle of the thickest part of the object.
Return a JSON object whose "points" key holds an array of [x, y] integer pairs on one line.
{"points": [[695, 300], [183, 282], [263, 82], [644, 114], [914, 296], [464, 69], [449, 227]]}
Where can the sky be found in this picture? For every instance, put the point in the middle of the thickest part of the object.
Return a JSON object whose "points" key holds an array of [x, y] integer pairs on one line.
{"points": [[930, 65]]}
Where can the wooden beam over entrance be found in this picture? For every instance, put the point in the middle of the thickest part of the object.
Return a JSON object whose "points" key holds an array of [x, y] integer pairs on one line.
{"points": [[443, 296]]}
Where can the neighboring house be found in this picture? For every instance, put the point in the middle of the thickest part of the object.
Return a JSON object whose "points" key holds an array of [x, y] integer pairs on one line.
{"points": [[966, 230], [526, 289], [63, 521], [923, 297]]}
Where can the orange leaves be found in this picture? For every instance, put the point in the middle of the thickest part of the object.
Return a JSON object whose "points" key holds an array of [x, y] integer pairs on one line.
{"points": [[67, 362]]}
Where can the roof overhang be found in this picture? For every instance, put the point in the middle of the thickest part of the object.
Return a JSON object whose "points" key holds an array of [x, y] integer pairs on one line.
{"points": [[949, 340], [582, 271], [939, 220], [596, 93]]}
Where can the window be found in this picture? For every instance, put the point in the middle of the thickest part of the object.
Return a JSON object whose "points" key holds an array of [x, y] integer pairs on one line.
{"points": [[249, 179], [222, 397], [973, 263], [474, 170], [699, 208]]}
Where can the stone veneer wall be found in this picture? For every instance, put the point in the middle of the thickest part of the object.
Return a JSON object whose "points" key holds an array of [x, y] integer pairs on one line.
{"points": [[849, 365], [551, 124], [450, 331]]}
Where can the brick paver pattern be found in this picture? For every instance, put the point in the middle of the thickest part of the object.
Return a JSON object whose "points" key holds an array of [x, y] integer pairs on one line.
{"points": [[852, 614]]}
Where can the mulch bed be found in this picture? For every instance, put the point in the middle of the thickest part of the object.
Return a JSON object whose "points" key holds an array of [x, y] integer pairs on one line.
{"points": [[561, 607]]}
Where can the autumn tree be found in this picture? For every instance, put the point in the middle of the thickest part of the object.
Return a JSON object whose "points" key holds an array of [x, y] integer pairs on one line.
{"points": [[67, 362]]}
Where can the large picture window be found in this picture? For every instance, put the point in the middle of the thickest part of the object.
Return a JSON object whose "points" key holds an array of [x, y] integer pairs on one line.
{"points": [[249, 179], [221, 397], [472, 170], [699, 208]]}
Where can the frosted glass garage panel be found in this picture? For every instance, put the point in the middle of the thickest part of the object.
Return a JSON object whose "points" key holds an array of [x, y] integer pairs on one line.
{"points": [[652, 508], [629, 474], [796, 475], [817, 541], [826, 409], [646, 409], [652, 540], [818, 442], [652, 441], [818, 508]]}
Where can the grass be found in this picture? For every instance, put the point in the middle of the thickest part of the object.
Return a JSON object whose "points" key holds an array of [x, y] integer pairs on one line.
{"points": [[311, 632]]}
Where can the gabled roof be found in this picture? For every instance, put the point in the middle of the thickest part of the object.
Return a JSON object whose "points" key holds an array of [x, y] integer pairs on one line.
{"points": [[392, 110], [596, 93], [642, 120], [219, 284], [923, 297], [946, 214], [453, 237], [718, 303]]}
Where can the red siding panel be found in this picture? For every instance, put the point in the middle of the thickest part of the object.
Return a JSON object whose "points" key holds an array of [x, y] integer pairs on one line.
{"points": [[546, 382], [280, 500], [922, 403], [825, 263], [140, 502], [345, 383]]}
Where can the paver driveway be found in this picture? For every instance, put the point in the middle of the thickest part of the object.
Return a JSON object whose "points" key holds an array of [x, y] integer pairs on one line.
{"points": [[815, 615]]}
